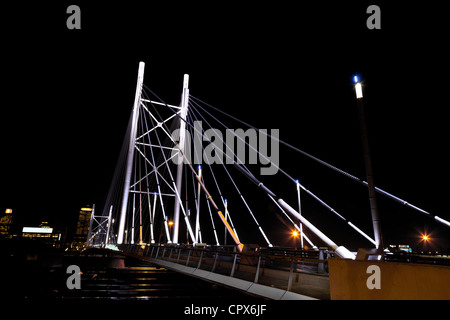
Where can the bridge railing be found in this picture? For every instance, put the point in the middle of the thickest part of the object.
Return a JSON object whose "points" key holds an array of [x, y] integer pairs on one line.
{"points": [[300, 271]]}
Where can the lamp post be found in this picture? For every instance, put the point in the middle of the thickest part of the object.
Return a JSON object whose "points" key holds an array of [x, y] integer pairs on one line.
{"points": [[297, 182], [368, 166]]}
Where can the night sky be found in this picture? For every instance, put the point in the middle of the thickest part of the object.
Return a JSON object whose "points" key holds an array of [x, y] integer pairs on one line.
{"points": [[67, 96]]}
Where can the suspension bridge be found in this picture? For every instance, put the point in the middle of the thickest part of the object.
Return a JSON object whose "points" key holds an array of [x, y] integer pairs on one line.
{"points": [[177, 198]]}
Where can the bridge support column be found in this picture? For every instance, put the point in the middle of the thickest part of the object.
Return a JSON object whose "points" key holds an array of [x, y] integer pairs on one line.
{"points": [[184, 107], [131, 147]]}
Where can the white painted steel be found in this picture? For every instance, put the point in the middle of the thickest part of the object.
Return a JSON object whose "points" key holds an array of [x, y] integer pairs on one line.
{"points": [[184, 106], [129, 166]]}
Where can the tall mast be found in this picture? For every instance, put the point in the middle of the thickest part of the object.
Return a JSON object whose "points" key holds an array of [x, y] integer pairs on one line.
{"points": [[183, 113], [131, 147]]}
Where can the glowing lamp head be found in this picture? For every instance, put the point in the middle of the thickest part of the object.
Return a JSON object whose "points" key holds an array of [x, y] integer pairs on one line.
{"points": [[358, 90], [355, 79]]}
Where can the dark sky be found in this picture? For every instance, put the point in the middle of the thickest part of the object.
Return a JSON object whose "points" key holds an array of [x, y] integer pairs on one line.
{"points": [[67, 96]]}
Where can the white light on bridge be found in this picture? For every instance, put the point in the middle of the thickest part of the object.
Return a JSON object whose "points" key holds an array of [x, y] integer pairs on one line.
{"points": [[358, 90]]}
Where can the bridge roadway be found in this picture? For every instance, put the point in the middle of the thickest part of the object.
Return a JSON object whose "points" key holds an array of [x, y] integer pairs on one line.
{"points": [[279, 274]]}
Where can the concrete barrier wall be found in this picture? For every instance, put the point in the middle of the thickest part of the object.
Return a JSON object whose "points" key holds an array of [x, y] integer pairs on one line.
{"points": [[380, 280]]}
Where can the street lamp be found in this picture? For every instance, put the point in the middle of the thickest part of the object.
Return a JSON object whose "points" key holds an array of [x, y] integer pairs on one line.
{"points": [[295, 235], [367, 163], [358, 87], [426, 239]]}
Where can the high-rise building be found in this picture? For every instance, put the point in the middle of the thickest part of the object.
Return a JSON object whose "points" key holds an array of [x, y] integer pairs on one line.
{"points": [[6, 221], [81, 232]]}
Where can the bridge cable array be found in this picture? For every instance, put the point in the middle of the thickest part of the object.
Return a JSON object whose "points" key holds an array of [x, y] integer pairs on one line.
{"points": [[153, 188], [334, 168]]}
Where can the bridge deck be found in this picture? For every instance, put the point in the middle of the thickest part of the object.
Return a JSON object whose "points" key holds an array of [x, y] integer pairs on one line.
{"points": [[273, 276]]}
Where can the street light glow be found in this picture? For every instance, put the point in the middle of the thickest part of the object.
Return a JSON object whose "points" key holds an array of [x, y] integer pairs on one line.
{"points": [[358, 90], [295, 233]]}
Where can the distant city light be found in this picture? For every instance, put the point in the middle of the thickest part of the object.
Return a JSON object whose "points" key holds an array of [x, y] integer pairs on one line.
{"points": [[36, 230], [8, 211], [295, 233], [171, 223], [425, 237], [86, 209]]}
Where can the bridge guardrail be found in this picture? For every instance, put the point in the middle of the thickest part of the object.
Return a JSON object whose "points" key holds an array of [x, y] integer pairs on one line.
{"points": [[299, 271]]}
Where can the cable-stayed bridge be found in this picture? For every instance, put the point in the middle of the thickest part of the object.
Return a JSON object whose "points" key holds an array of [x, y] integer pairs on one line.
{"points": [[177, 198]]}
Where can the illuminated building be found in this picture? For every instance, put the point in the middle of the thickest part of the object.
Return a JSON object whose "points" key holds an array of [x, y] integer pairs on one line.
{"points": [[82, 230], [399, 248], [5, 223], [43, 233]]}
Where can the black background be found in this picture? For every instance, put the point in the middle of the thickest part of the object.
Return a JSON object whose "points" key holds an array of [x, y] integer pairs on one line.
{"points": [[67, 96]]}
